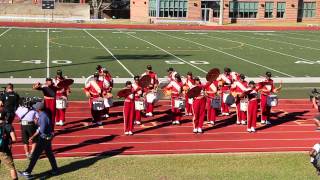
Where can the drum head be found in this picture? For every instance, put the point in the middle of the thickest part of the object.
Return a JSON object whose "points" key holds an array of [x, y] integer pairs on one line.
{"points": [[194, 92], [65, 83], [163, 84], [123, 93], [90, 78]]}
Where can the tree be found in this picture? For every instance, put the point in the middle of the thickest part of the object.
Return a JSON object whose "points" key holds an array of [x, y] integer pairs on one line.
{"points": [[98, 6]]}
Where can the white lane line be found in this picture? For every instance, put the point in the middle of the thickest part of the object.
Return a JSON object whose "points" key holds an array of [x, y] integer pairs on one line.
{"points": [[5, 32], [200, 69], [258, 47], [223, 52], [124, 67], [48, 53], [283, 42]]}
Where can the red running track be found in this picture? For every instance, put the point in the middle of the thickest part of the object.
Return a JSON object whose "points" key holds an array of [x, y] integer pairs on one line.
{"points": [[292, 129]]}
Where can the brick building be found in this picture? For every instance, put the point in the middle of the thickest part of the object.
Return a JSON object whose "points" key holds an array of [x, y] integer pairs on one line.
{"points": [[233, 10]]}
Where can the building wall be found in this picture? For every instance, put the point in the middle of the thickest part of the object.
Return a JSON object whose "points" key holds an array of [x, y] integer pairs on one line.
{"points": [[194, 10], [139, 10]]}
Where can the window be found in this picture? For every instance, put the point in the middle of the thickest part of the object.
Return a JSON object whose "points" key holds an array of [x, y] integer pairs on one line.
{"points": [[168, 8], [243, 9], [307, 10], [216, 9], [268, 13], [281, 9]]}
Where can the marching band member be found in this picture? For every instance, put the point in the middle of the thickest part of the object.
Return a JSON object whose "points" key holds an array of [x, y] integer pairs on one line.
{"points": [[61, 93], [189, 83], [176, 88], [240, 86], [171, 74], [266, 87], [225, 83], [107, 88], [49, 91], [211, 89], [198, 108], [137, 95], [128, 110], [153, 86], [93, 90], [252, 113]]}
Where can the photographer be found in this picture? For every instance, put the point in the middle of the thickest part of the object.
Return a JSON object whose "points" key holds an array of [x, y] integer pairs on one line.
{"points": [[28, 117], [10, 101], [315, 98]]}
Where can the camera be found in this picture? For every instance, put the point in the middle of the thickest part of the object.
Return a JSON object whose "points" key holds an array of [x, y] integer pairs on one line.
{"points": [[28, 102]]}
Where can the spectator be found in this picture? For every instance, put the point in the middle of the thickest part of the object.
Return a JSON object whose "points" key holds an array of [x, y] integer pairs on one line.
{"points": [[28, 117], [7, 136], [10, 101], [45, 133], [315, 157]]}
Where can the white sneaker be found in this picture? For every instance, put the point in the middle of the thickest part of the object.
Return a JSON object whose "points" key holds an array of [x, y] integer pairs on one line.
{"points": [[211, 122], [177, 122], [126, 133], [195, 130], [149, 114], [199, 130], [173, 122], [252, 129], [263, 121], [249, 130], [268, 122], [130, 133], [99, 123], [238, 122], [243, 122], [59, 123], [190, 114], [106, 116], [137, 122]]}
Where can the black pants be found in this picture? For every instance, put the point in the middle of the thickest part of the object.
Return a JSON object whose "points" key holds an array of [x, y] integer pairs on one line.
{"points": [[9, 116], [42, 145]]}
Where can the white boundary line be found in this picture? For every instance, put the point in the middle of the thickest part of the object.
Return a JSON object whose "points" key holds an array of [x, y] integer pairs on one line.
{"points": [[258, 47], [296, 38], [237, 57], [272, 40], [48, 52], [299, 34], [200, 69], [124, 67], [5, 32]]}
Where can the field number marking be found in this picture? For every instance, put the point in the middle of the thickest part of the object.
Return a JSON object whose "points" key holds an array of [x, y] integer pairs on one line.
{"points": [[38, 61], [181, 62]]}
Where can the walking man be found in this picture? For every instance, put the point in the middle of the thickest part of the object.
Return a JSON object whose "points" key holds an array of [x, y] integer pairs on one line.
{"points": [[10, 102]]}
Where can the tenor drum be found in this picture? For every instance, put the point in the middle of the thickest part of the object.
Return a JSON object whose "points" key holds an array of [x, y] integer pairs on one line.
{"points": [[244, 105], [216, 103], [139, 105], [108, 102], [61, 103], [272, 100], [228, 99], [98, 104], [151, 97], [179, 103]]}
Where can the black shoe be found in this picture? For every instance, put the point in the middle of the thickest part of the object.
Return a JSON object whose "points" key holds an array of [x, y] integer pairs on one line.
{"points": [[25, 174], [54, 172]]}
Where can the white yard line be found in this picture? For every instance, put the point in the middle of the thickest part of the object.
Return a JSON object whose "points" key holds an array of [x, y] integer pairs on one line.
{"points": [[258, 47], [299, 34], [5, 32], [272, 40], [200, 69], [296, 38], [223, 52], [48, 52], [124, 67]]}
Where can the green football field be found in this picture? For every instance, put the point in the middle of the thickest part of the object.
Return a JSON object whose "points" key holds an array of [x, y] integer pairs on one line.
{"points": [[27, 52]]}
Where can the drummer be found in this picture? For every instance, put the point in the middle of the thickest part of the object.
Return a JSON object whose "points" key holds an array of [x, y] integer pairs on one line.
{"points": [[266, 87], [199, 108], [49, 92], [171, 74], [61, 93], [107, 95], [137, 96], [188, 84], [175, 87], [252, 96], [225, 83], [239, 87], [128, 110], [211, 91], [152, 87], [93, 91]]}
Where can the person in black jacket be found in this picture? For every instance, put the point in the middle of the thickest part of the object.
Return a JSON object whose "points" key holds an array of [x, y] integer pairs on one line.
{"points": [[10, 101]]}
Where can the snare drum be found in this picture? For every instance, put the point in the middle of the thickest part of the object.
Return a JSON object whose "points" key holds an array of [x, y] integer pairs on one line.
{"points": [[244, 105], [108, 102], [61, 103], [98, 104], [151, 97], [139, 105], [228, 99], [215, 103], [179, 103], [272, 100]]}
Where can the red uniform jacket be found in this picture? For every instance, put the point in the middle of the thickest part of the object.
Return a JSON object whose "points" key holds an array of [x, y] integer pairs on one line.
{"points": [[266, 87], [211, 88], [175, 87]]}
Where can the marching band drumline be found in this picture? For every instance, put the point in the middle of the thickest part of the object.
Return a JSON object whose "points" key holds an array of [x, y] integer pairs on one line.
{"points": [[187, 95]]}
